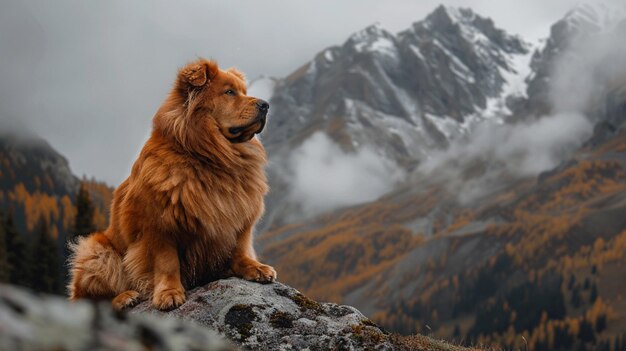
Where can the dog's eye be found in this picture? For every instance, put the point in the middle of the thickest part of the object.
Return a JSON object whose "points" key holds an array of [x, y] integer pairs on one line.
{"points": [[230, 92]]}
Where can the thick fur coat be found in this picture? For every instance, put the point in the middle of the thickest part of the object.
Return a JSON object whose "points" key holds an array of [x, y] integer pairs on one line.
{"points": [[186, 213]]}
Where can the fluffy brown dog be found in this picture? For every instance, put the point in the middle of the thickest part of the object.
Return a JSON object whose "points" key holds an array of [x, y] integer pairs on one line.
{"points": [[186, 213]]}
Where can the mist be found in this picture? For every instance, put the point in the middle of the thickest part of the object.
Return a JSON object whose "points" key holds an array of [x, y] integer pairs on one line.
{"points": [[324, 177], [579, 78], [88, 76]]}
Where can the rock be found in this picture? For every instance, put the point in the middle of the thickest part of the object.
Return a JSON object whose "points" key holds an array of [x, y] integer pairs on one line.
{"points": [[275, 317], [32, 322], [254, 316]]}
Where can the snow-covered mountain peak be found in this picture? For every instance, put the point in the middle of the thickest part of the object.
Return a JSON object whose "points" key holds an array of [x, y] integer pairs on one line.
{"points": [[450, 15], [410, 94], [373, 38], [374, 30], [463, 24]]}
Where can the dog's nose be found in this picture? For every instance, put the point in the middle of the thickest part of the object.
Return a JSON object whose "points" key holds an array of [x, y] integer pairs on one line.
{"points": [[262, 105]]}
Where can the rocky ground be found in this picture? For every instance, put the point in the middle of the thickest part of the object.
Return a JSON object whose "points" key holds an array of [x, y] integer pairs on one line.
{"points": [[223, 315]]}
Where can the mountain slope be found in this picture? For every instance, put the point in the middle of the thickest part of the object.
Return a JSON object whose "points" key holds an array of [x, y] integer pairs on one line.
{"points": [[418, 257], [37, 182], [533, 261], [38, 209], [400, 96]]}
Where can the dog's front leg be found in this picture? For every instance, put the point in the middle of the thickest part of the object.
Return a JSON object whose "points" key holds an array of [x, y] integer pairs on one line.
{"points": [[168, 289], [244, 263]]}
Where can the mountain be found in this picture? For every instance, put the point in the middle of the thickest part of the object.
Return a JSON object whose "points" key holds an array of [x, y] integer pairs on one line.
{"points": [[509, 233], [36, 183], [400, 95], [581, 24], [32, 161]]}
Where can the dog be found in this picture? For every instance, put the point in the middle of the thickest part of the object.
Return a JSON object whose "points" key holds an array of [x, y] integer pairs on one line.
{"points": [[185, 215]]}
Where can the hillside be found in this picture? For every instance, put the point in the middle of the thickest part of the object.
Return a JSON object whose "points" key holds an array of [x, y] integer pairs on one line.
{"points": [[37, 185], [481, 272], [36, 181], [513, 235]]}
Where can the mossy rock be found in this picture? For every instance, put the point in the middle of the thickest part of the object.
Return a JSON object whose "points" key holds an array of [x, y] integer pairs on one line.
{"points": [[281, 319], [240, 318]]}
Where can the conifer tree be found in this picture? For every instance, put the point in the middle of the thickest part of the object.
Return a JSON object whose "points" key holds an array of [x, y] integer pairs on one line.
{"points": [[17, 253], [83, 224], [593, 296], [4, 260], [46, 277], [576, 298]]}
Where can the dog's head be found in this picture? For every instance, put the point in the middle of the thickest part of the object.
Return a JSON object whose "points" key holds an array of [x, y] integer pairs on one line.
{"points": [[211, 98]]}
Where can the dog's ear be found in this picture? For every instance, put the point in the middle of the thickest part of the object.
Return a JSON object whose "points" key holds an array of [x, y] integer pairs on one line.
{"points": [[237, 73], [198, 73]]}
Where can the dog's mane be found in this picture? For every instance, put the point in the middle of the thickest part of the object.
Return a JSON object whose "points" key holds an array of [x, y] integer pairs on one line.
{"points": [[177, 121]]}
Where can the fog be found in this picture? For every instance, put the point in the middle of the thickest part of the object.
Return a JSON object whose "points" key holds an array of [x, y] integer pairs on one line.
{"points": [[323, 177], [88, 75], [580, 75]]}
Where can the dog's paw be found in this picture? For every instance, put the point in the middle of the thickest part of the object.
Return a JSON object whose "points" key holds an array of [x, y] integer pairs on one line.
{"points": [[261, 273], [127, 299], [168, 299]]}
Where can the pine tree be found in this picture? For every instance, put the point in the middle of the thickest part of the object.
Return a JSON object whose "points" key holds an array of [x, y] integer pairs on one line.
{"points": [[5, 268], [601, 323], [83, 224], [593, 296], [17, 253], [576, 298], [572, 281], [586, 333], [46, 277]]}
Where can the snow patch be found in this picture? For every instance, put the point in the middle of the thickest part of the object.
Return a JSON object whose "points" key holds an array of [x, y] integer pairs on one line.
{"points": [[380, 45], [328, 55], [516, 76]]}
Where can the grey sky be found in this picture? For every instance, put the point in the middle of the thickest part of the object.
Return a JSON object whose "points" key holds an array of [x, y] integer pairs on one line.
{"points": [[88, 75]]}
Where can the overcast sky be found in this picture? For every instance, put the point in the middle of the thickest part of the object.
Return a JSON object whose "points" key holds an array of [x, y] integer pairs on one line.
{"points": [[89, 75]]}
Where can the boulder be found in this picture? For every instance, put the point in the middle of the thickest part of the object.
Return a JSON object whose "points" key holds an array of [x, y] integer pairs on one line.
{"points": [[275, 317]]}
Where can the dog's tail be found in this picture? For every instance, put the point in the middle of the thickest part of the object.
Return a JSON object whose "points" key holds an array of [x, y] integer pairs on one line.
{"points": [[96, 269]]}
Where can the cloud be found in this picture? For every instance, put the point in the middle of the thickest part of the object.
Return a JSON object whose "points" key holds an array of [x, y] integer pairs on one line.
{"points": [[88, 76], [521, 150], [580, 76], [325, 178], [591, 63]]}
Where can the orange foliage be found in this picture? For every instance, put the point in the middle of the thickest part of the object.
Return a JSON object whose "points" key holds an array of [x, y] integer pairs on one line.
{"points": [[36, 206]]}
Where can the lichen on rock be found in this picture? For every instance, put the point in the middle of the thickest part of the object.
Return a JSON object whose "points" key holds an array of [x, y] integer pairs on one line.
{"points": [[273, 317]]}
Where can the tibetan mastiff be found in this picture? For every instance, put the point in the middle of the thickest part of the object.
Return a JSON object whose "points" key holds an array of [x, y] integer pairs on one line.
{"points": [[186, 213]]}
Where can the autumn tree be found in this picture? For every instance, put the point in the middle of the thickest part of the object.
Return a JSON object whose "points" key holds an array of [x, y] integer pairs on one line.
{"points": [[46, 275], [84, 224]]}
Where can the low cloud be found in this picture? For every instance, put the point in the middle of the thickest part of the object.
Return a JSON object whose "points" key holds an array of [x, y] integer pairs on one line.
{"points": [[325, 178], [526, 149], [497, 152], [520, 150]]}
